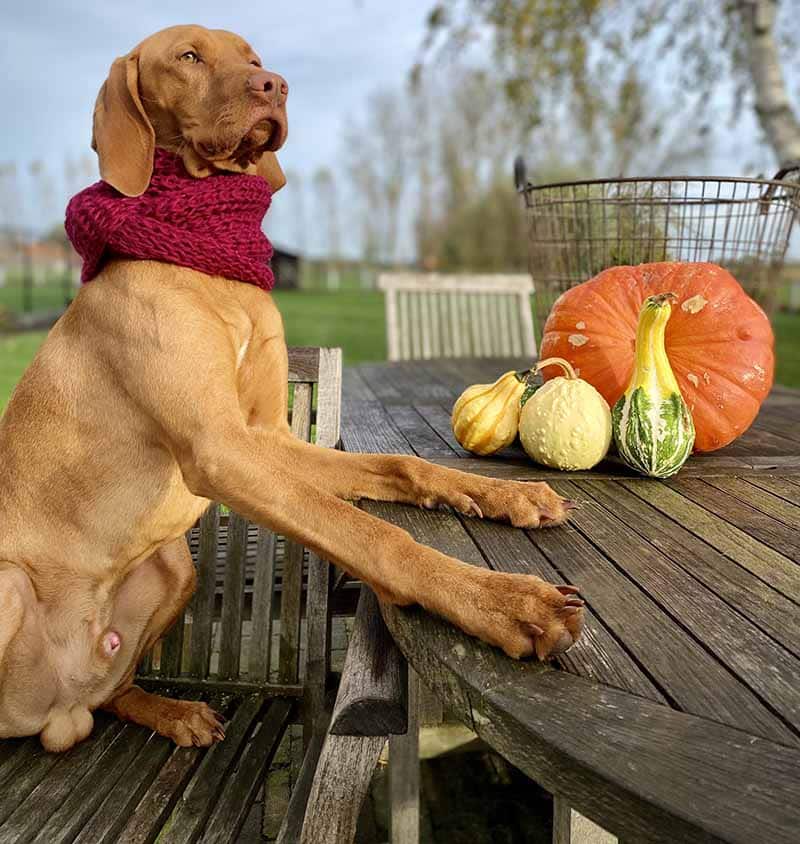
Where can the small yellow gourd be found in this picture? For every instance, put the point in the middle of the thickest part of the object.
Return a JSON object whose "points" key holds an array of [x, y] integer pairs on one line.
{"points": [[566, 423], [486, 416]]}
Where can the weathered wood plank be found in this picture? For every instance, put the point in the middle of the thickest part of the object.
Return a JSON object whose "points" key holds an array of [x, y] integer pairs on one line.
{"points": [[263, 592], [303, 363], [25, 779], [29, 815], [404, 772], [755, 523], [109, 820], [773, 568], [638, 774], [67, 821], [203, 599], [240, 790], [233, 599], [342, 779], [671, 656], [760, 603], [289, 654], [740, 646], [371, 699], [318, 642], [508, 466], [598, 655], [201, 794], [780, 487], [759, 498], [421, 437]]}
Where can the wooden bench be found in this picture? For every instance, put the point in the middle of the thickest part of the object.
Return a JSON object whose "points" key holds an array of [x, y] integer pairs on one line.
{"points": [[128, 785], [443, 316]]}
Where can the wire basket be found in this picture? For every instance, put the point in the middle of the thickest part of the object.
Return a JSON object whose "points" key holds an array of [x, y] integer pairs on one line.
{"points": [[577, 229]]}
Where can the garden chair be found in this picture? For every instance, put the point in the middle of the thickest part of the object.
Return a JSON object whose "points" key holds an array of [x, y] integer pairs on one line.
{"points": [[126, 784], [431, 316]]}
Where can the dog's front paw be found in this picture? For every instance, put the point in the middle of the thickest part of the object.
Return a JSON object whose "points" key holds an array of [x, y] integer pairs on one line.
{"points": [[190, 723], [525, 505], [522, 614]]}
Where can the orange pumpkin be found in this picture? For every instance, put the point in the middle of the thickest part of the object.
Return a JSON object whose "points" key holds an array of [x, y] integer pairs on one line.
{"points": [[719, 342]]}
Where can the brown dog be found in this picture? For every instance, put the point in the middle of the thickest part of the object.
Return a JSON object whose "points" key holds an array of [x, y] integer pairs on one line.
{"points": [[161, 389]]}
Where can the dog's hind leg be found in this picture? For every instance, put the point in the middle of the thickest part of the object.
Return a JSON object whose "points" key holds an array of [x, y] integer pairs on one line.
{"points": [[159, 588]]}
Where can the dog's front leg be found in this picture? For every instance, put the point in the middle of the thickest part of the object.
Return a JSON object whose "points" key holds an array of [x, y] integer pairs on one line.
{"points": [[411, 480], [242, 468]]}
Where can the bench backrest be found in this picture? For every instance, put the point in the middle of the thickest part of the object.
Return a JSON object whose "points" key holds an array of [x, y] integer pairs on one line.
{"points": [[251, 582], [430, 315]]}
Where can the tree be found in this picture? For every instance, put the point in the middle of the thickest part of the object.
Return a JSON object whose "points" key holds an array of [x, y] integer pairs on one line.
{"points": [[588, 53]]}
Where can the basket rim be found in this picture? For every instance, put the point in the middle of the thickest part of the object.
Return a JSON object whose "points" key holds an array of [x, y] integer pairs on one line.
{"points": [[784, 183]]}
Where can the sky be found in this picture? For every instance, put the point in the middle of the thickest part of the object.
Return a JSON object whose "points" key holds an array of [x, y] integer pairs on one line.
{"points": [[334, 54]]}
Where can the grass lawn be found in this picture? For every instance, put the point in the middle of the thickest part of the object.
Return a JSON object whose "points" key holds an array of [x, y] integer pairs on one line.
{"points": [[354, 320]]}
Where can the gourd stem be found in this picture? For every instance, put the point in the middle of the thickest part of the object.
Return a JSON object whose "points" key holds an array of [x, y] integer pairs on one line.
{"points": [[569, 372]]}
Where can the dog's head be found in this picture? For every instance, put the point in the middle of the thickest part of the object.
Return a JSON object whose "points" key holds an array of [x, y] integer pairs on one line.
{"points": [[198, 92]]}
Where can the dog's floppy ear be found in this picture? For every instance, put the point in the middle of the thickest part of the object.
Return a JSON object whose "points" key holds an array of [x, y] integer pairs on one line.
{"points": [[122, 134], [269, 168]]}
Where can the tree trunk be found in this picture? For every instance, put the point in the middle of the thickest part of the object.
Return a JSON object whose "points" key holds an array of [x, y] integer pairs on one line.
{"points": [[775, 114]]}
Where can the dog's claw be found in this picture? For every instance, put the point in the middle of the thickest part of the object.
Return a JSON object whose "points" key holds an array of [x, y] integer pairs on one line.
{"points": [[474, 510], [569, 504], [574, 602], [566, 589]]}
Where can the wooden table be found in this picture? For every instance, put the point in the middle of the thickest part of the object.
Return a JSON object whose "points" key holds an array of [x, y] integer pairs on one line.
{"points": [[677, 715]]}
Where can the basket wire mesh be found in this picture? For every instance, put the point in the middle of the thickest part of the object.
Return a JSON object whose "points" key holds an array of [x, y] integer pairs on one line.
{"points": [[577, 229]]}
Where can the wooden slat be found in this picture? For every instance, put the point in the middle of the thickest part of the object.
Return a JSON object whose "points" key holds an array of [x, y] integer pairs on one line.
{"points": [[233, 599], [513, 467], [343, 776], [240, 790], [329, 398], [773, 568], [372, 694], [756, 523], [30, 815], [203, 600], [598, 655], [735, 642], [318, 642], [419, 434], [263, 592], [303, 364], [452, 282], [25, 779], [404, 771], [751, 596], [631, 765], [198, 799], [289, 655], [392, 324], [781, 487], [73, 813], [109, 820], [673, 658]]}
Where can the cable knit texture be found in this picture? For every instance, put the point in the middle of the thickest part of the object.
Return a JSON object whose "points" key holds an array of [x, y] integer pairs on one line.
{"points": [[212, 224]]}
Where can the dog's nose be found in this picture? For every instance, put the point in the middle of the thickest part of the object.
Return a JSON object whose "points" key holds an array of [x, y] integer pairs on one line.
{"points": [[264, 82]]}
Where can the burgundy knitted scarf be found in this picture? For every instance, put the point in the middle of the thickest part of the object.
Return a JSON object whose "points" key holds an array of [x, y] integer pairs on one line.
{"points": [[212, 224]]}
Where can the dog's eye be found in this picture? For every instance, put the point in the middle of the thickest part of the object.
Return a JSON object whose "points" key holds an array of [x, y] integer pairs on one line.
{"points": [[190, 56], [255, 62]]}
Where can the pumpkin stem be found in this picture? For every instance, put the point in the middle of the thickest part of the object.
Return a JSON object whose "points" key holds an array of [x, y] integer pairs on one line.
{"points": [[569, 372]]}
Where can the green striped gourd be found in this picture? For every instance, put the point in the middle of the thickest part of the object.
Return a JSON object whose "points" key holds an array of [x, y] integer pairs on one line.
{"points": [[653, 429]]}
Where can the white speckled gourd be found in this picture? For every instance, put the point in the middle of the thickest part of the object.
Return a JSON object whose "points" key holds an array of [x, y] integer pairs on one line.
{"points": [[566, 423]]}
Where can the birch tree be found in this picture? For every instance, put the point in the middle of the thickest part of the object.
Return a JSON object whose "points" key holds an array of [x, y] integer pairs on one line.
{"points": [[576, 54]]}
